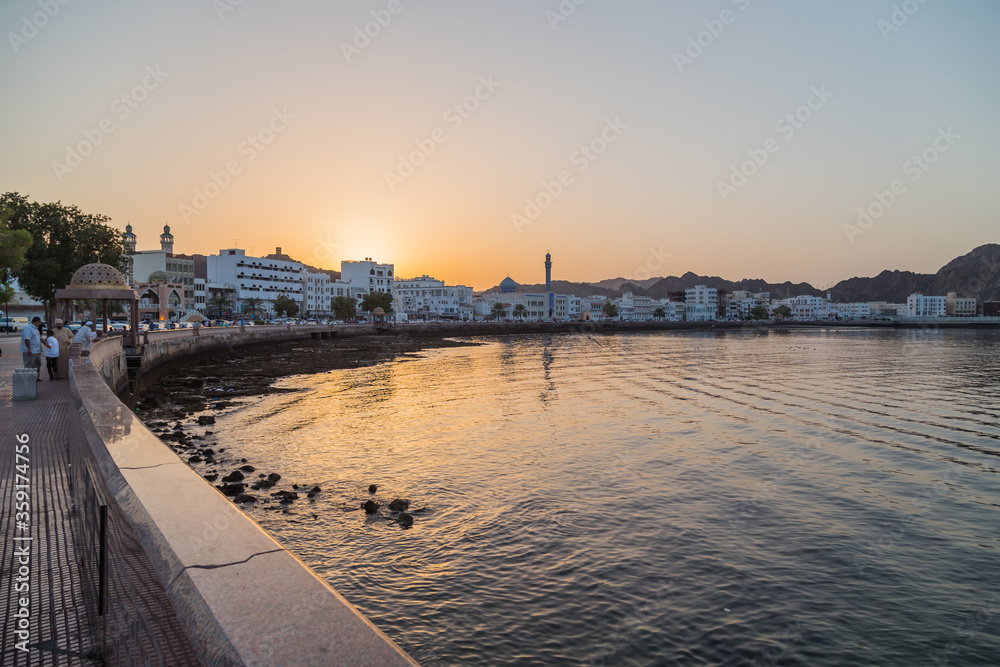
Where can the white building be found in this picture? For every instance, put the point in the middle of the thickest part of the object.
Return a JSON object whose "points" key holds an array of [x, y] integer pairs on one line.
{"points": [[918, 305], [852, 311], [365, 277], [807, 307], [632, 308], [257, 277], [701, 303], [317, 294], [426, 297], [742, 302]]}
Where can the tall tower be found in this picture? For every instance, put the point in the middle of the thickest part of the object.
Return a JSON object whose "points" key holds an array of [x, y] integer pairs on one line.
{"points": [[550, 297], [167, 240], [128, 238]]}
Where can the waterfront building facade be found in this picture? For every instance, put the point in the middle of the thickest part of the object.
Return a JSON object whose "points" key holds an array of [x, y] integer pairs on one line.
{"points": [[256, 277], [919, 305], [143, 263], [366, 276], [956, 306], [426, 297], [701, 303], [740, 304]]}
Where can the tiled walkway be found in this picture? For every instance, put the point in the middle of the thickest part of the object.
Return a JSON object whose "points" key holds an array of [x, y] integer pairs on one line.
{"points": [[139, 626]]}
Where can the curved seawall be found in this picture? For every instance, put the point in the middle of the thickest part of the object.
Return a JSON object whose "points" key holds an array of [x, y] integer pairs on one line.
{"points": [[241, 598]]}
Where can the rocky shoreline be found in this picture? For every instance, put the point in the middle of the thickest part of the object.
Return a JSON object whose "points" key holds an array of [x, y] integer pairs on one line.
{"points": [[181, 409]]}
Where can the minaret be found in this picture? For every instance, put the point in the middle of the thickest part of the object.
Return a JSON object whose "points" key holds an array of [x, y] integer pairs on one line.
{"points": [[128, 238], [167, 240], [548, 284]]}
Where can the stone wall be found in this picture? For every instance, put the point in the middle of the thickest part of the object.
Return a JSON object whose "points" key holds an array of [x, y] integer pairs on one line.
{"points": [[240, 596]]}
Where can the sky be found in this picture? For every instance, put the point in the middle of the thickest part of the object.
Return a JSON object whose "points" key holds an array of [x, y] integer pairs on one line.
{"points": [[806, 141]]}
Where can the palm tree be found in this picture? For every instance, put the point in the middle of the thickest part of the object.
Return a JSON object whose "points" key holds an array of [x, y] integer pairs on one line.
{"points": [[659, 313], [252, 305], [610, 310], [520, 311], [220, 304], [499, 310]]}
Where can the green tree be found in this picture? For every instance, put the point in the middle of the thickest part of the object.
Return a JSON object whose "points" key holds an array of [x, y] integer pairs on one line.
{"points": [[499, 310], [520, 311], [782, 312], [285, 307], [610, 310], [14, 243], [375, 300], [344, 307], [759, 313], [659, 313], [63, 238]]}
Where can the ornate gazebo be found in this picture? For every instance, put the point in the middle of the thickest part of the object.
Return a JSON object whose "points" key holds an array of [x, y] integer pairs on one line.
{"points": [[102, 283]]}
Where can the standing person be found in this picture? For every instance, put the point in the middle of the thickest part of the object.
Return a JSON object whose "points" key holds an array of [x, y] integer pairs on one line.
{"points": [[52, 356], [64, 336], [85, 337], [31, 346]]}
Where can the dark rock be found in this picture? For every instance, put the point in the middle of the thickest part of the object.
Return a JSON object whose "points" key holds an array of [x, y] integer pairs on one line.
{"points": [[295, 486], [265, 483], [231, 489], [405, 519], [211, 477], [243, 460], [205, 420], [245, 498], [285, 496], [234, 476], [210, 433], [313, 491], [399, 505], [247, 468], [195, 459], [370, 506], [372, 489], [208, 451], [273, 477]]}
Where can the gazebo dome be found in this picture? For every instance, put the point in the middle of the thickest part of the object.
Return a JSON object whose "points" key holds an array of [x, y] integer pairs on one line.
{"points": [[98, 275], [378, 312], [508, 285], [158, 277]]}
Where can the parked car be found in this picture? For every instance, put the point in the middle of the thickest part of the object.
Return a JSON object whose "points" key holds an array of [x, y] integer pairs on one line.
{"points": [[13, 324]]}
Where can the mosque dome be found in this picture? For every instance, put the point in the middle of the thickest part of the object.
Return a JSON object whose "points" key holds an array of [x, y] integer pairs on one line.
{"points": [[98, 275], [508, 285], [158, 277]]}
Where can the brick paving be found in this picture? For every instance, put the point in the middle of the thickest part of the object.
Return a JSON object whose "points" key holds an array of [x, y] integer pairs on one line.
{"points": [[139, 626]]}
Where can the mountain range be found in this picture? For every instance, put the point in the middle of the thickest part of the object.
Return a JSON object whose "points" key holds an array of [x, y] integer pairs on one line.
{"points": [[975, 274]]}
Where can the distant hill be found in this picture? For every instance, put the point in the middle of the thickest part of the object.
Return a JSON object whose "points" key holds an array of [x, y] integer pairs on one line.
{"points": [[975, 274]]}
